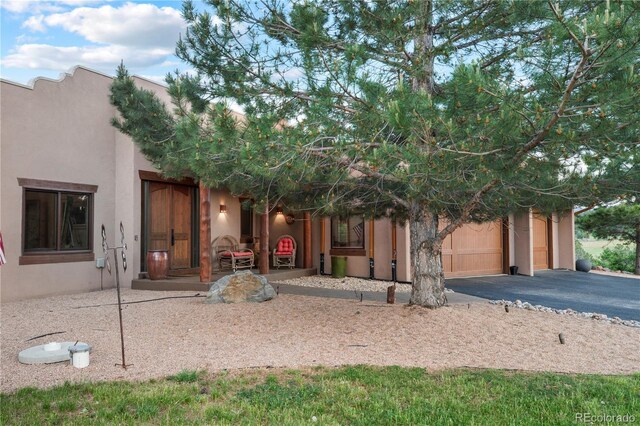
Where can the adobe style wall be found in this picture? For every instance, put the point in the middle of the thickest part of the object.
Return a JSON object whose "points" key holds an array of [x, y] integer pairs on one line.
{"points": [[60, 130]]}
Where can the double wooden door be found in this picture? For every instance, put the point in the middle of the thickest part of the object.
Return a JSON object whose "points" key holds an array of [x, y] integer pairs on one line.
{"points": [[170, 222]]}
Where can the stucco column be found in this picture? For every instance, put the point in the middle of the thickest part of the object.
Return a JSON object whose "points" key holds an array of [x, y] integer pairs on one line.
{"points": [[394, 252], [322, 238], [523, 242], [371, 249], [566, 241]]}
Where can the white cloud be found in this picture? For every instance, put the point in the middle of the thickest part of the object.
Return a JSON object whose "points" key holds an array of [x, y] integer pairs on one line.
{"points": [[141, 35], [105, 58], [128, 25], [38, 6], [293, 73], [21, 6], [34, 23]]}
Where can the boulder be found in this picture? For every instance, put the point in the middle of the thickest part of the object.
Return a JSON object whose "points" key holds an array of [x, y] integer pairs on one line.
{"points": [[243, 286], [583, 265]]}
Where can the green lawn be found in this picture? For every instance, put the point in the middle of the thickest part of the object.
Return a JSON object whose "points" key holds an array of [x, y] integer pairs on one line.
{"points": [[595, 247], [359, 395]]}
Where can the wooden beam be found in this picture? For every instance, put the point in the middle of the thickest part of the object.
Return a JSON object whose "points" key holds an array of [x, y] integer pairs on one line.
{"points": [[307, 261], [205, 234], [157, 177], [264, 241]]}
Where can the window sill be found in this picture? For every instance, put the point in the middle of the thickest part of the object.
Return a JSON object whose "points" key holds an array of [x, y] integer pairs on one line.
{"points": [[35, 259], [348, 252]]}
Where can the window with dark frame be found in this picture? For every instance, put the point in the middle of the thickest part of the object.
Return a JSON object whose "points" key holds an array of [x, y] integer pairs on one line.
{"points": [[57, 221], [347, 233], [246, 220]]}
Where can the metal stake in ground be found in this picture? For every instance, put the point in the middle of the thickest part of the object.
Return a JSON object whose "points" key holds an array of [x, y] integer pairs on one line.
{"points": [[106, 249]]}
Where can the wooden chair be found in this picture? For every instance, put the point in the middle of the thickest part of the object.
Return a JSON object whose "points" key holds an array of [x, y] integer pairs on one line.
{"points": [[284, 253], [229, 255]]}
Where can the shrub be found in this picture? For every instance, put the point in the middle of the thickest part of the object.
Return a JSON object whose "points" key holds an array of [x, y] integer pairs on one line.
{"points": [[582, 254], [619, 258]]}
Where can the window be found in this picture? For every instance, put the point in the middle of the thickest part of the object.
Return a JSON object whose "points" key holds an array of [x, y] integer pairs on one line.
{"points": [[57, 222], [246, 220], [347, 233]]}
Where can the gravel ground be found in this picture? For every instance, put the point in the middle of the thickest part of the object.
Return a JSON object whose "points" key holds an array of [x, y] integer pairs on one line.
{"points": [[347, 283], [166, 336]]}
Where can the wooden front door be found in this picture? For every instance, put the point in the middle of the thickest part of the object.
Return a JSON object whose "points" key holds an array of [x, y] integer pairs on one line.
{"points": [[170, 222]]}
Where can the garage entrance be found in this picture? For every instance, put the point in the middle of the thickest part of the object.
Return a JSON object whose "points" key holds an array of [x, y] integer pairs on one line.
{"points": [[474, 249]]}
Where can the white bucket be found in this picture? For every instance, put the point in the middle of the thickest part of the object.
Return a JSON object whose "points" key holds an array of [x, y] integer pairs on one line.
{"points": [[79, 355]]}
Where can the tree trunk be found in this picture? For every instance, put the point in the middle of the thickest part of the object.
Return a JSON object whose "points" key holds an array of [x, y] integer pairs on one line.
{"points": [[426, 247], [637, 271], [423, 79], [426, 260]]}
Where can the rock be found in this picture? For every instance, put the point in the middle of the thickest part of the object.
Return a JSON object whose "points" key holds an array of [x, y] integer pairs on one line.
{"points": [[243, 286], [583, 265], [600, 317]]}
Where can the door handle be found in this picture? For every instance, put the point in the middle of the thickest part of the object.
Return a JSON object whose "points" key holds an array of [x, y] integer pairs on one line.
{"points": [[173, 238]]}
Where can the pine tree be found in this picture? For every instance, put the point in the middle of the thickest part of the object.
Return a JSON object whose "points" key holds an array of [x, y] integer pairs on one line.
{"points": [[433, 112]]}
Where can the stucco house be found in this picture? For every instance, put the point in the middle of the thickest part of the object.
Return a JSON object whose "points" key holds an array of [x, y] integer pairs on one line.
{"points": [[65, 171]]}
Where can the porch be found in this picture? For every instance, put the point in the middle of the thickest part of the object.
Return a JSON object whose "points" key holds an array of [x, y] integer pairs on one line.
{"points": [[192, 282]]}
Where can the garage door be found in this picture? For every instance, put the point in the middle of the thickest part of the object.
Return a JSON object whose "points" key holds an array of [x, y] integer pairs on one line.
{"points": [[540, 243], [473, 249]]}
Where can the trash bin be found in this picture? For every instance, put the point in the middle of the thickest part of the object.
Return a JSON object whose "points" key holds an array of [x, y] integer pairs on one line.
{"points": [[338, 266], [513, 270]]}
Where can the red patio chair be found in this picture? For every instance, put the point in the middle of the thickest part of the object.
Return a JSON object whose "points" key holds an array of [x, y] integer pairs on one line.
{"points": [[285, 252]]}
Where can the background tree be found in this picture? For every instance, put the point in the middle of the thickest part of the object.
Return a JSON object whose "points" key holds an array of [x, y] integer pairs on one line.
{"points": [[433, 112], [619, 222]]}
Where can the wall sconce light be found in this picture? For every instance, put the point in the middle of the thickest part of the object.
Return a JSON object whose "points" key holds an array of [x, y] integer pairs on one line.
{"points": [[223, 208], [279, 211]]}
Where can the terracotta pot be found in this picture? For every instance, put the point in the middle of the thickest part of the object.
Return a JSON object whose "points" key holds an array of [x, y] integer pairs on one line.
{"points": [[158, 264]]}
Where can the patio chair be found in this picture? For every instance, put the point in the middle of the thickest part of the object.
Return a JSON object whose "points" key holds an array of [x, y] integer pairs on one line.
{"points": [[285, 252], [229, 255]]}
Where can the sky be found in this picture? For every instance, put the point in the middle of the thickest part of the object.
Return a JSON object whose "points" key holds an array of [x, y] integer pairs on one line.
{"points": [[41, 38]]}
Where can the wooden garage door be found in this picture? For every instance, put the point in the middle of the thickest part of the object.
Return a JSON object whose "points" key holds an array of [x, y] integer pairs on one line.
{"points": [[540, 243], [473, 249]]}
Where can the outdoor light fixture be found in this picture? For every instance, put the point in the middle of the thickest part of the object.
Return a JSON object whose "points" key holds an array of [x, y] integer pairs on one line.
{"points": [[279, 210], [223, 208]]}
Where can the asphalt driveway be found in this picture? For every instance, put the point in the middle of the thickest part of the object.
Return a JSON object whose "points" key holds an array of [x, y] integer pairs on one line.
{"points": [[580, 291]]}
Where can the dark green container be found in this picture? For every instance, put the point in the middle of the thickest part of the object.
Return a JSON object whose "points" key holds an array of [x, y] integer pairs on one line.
{"points": [[338, 266]]}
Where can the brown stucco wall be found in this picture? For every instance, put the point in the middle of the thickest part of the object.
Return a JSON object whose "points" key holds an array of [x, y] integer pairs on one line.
{"points": [[60, 130]]}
